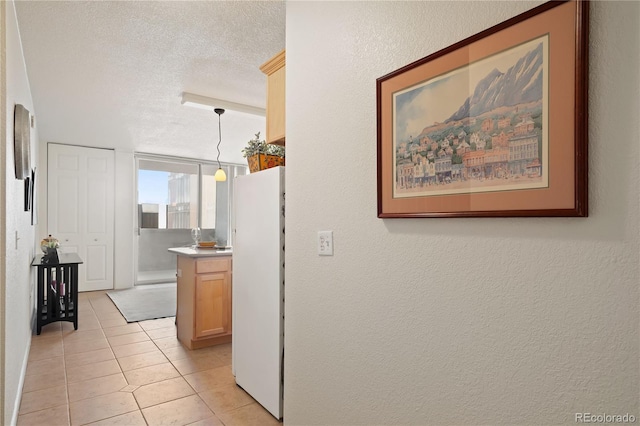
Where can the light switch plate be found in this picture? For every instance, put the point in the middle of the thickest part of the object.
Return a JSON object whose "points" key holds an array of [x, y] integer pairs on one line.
{"points": [[325, 243]]}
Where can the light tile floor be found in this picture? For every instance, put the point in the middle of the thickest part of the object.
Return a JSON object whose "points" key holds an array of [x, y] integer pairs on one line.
{"points": [[109, 372]]}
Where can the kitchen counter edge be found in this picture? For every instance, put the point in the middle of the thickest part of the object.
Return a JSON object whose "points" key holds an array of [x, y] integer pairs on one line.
{"points": [[195, 252]]}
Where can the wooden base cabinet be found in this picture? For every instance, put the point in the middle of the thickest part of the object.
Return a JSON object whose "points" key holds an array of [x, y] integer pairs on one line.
{"points": [[204, 301]]}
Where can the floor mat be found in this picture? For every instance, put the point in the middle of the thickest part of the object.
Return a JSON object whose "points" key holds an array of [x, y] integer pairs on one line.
{"points": [[145, 302]]}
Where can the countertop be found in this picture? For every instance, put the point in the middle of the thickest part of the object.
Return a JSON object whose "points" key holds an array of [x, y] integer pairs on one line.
{"points": [[196, 252]]}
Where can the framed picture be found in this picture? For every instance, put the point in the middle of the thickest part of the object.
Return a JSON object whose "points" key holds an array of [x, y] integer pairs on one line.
{"points": [[34, 212], [492, 126], [27, 194], [21, 142]]}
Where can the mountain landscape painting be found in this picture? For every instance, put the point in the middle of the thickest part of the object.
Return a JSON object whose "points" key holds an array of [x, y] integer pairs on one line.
{"points": [[478, 128]]}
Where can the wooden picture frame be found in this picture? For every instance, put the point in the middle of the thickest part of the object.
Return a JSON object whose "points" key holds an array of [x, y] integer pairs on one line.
{"points": [[21, 142], [492, 126], [34, 212], [27, 194]]}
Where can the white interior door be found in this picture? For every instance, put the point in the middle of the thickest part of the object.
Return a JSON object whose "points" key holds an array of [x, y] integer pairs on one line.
{"points": [[81, 184]]}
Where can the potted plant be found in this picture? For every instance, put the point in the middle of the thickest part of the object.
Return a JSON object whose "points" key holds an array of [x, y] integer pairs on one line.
{"points": [[261, 155]]}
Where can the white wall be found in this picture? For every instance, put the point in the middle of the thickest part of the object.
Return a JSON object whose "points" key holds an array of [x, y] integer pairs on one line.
{"points": [[19, 275], [451, 321], [125, 220], [3, 190]]}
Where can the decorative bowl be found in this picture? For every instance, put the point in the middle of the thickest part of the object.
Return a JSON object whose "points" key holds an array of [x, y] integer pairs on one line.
{"points": [[49, 243]]}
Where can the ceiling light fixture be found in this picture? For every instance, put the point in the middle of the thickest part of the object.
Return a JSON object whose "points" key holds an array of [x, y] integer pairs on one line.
{"points": [[220, 175], [205, 102]]}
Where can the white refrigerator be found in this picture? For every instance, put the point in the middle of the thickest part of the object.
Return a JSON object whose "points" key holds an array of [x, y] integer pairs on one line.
{"points": [[258, 286]]}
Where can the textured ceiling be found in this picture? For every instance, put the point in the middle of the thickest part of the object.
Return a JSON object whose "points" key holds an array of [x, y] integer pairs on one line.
{"points": [[111, 73]]}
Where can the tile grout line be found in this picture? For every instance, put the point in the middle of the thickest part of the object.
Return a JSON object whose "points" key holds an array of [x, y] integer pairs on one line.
{"points": [[64, 360], [90, 303], [123, 375], [93, 303], [170, 362], [66, 380], [62, 334], [122, 372], [196, 393]]}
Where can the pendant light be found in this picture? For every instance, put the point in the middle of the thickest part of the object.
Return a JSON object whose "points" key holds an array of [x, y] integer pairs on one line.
{"points": [[220, 175]]}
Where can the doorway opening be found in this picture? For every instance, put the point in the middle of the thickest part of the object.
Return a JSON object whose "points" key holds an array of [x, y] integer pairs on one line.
{"points": [[174, 196]]}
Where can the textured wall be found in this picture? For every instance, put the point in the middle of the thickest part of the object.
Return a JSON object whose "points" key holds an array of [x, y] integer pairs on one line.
{"points": [[20, 278], [451, 321], [3, 198], [125, 211]]}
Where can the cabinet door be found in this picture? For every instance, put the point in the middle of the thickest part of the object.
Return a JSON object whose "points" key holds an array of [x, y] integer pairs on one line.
{"points": [[276, 107], [212, 305], [274, 68]]}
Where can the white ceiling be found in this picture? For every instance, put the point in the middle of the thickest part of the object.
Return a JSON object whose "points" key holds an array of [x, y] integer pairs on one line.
{"points": [[111, 73]]}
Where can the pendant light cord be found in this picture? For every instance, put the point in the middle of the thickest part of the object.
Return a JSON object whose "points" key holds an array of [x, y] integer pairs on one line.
{"points": [[219, 111], [219, 140]]}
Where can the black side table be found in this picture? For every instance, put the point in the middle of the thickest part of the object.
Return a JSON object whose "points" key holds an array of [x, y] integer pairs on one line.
{"points": [[57, 290]]}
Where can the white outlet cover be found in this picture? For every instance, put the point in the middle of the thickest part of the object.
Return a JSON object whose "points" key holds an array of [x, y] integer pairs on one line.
{"points": [[325, 243]]}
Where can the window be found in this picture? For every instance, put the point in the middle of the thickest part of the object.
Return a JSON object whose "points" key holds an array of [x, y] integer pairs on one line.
{"points": [[174, 196], [169, 190]]}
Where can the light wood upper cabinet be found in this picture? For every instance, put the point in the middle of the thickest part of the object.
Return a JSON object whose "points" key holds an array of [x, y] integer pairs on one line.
{"points": [[275, 71]]}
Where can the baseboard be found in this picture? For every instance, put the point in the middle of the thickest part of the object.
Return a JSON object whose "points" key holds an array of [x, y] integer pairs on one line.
{"points": [[33, 322], [23, 373]]}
